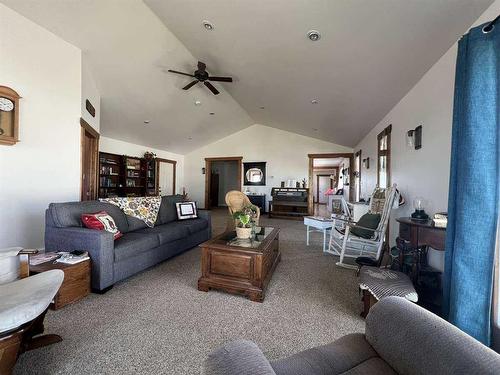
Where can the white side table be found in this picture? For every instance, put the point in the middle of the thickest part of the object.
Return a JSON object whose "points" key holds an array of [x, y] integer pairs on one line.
{"points": [[319, 224]]}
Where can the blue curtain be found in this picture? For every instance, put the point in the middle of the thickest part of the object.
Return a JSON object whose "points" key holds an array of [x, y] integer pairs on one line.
{"points": [[473, 201]]}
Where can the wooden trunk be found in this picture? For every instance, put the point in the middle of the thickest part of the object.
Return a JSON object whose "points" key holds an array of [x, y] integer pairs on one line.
{"points": [[239, 270], [76, 284]]}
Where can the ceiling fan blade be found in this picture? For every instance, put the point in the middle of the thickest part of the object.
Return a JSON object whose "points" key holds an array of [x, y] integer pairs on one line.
{"points": [[211, 87], [220, 79], [201, 66], [191, 84], [184, 74]]}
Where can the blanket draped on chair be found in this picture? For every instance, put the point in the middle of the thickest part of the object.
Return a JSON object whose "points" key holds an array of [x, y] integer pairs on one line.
{"points": [[142, 208]]}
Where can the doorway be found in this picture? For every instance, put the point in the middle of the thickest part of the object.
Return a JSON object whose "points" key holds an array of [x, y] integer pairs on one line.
{"points": [[221, 175], [165, 180], [89, 155], [328, 174], [324, 182]]}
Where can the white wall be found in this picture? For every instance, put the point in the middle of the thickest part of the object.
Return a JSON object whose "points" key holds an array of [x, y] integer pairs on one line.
{"points": [[423, 172], [90, 92], [115, 146], [284, 152], [44, 166]]}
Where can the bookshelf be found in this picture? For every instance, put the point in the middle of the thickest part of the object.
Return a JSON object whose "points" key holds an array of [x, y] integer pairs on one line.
{"points": [[126, 176]]}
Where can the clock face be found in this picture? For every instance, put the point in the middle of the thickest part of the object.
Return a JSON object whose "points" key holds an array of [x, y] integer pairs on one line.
{"points": [[6, 105]]}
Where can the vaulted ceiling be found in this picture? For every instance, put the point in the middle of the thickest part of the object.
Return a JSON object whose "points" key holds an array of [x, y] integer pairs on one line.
{"points": [[370, 55]]}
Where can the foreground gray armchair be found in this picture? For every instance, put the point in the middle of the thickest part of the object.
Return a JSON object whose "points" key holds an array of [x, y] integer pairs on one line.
{"points": [[400, 338]]}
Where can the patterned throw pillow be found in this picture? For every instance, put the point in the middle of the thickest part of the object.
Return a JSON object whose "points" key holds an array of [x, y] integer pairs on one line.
{"points": [[101, 221], [186, 210]]}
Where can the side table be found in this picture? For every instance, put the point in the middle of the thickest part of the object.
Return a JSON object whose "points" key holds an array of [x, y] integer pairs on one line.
{"points": [[320, 225], [76, 284]]}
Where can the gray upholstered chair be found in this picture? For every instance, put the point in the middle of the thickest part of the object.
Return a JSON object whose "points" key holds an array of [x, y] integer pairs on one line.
{"points": [[400, 338]]}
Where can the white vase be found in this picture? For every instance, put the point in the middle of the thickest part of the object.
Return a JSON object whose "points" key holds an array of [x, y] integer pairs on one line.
{"points": [[243, 232]]}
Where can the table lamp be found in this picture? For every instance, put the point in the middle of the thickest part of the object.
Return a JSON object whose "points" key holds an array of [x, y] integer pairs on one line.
{"points": [[419, 214]]}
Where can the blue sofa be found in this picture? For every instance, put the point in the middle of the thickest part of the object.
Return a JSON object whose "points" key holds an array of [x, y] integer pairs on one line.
{"points": [[139, 248]]}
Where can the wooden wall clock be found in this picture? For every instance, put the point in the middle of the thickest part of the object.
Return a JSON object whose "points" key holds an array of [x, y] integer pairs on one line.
{"points": [[9, 116]]}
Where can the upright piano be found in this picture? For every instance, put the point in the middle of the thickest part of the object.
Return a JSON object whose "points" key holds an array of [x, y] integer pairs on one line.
{"points": [[289, 203]]}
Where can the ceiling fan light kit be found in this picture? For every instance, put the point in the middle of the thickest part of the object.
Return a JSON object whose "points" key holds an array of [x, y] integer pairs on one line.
{"points": [[201, 75]]}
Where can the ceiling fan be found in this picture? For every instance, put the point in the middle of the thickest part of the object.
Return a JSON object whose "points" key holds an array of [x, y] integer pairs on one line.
{"points": [[201, 75]]}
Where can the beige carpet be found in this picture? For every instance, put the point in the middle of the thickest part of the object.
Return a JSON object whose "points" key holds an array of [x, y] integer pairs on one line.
{"points": [[157, 322]]}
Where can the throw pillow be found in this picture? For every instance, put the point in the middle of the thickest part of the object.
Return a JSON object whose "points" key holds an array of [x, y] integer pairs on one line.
{"points": [[101, 221], [186, 210], [367, 221]]}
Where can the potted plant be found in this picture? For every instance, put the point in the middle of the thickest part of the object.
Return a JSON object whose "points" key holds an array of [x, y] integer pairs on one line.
{"points": [[245, 221], [149, 155]]}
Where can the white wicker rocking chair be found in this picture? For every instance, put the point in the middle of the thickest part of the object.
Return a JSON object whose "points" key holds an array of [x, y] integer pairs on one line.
{"points": [[344, 244]]}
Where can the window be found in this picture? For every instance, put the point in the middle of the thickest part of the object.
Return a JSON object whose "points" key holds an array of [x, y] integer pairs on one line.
{"points": [[357, 176], [384, 158]]}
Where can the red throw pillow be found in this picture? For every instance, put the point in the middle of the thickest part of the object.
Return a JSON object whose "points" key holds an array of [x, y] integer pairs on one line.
{"points": [[101, 221]]}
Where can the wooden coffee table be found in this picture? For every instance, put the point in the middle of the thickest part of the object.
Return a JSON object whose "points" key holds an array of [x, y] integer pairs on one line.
{"points": [[240, 266]]}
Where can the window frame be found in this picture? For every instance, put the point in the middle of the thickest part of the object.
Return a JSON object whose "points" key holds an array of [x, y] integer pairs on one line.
{"points": [[359, 165], [387, 153]]}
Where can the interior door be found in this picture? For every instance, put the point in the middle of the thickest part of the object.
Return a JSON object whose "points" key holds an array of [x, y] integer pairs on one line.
{"points": [[214, 190], [89, 157], [166, 178], [324, 183]]}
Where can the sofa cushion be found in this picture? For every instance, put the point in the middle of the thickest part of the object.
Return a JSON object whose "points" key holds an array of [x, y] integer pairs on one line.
{"points": [[372, 366], [134, 243], [168, 211], [195, 225], [168, 232], [69, 214], [334, 358], [135, 223]]}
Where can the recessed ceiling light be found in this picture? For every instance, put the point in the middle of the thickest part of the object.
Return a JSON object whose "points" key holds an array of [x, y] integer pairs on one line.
{"points": [[313, 35], [314, 101], [190, 138], [262, 107], [197, 102], [146, 122], [212, 113], [208, 25]]}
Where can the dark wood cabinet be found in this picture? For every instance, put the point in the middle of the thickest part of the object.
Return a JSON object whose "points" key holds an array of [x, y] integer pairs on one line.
{"points": [[258, 200], [414, 240]]}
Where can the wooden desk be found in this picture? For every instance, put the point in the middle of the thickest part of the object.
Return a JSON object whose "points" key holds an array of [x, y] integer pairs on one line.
{"points": [[421, 236], [421, 233]]}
